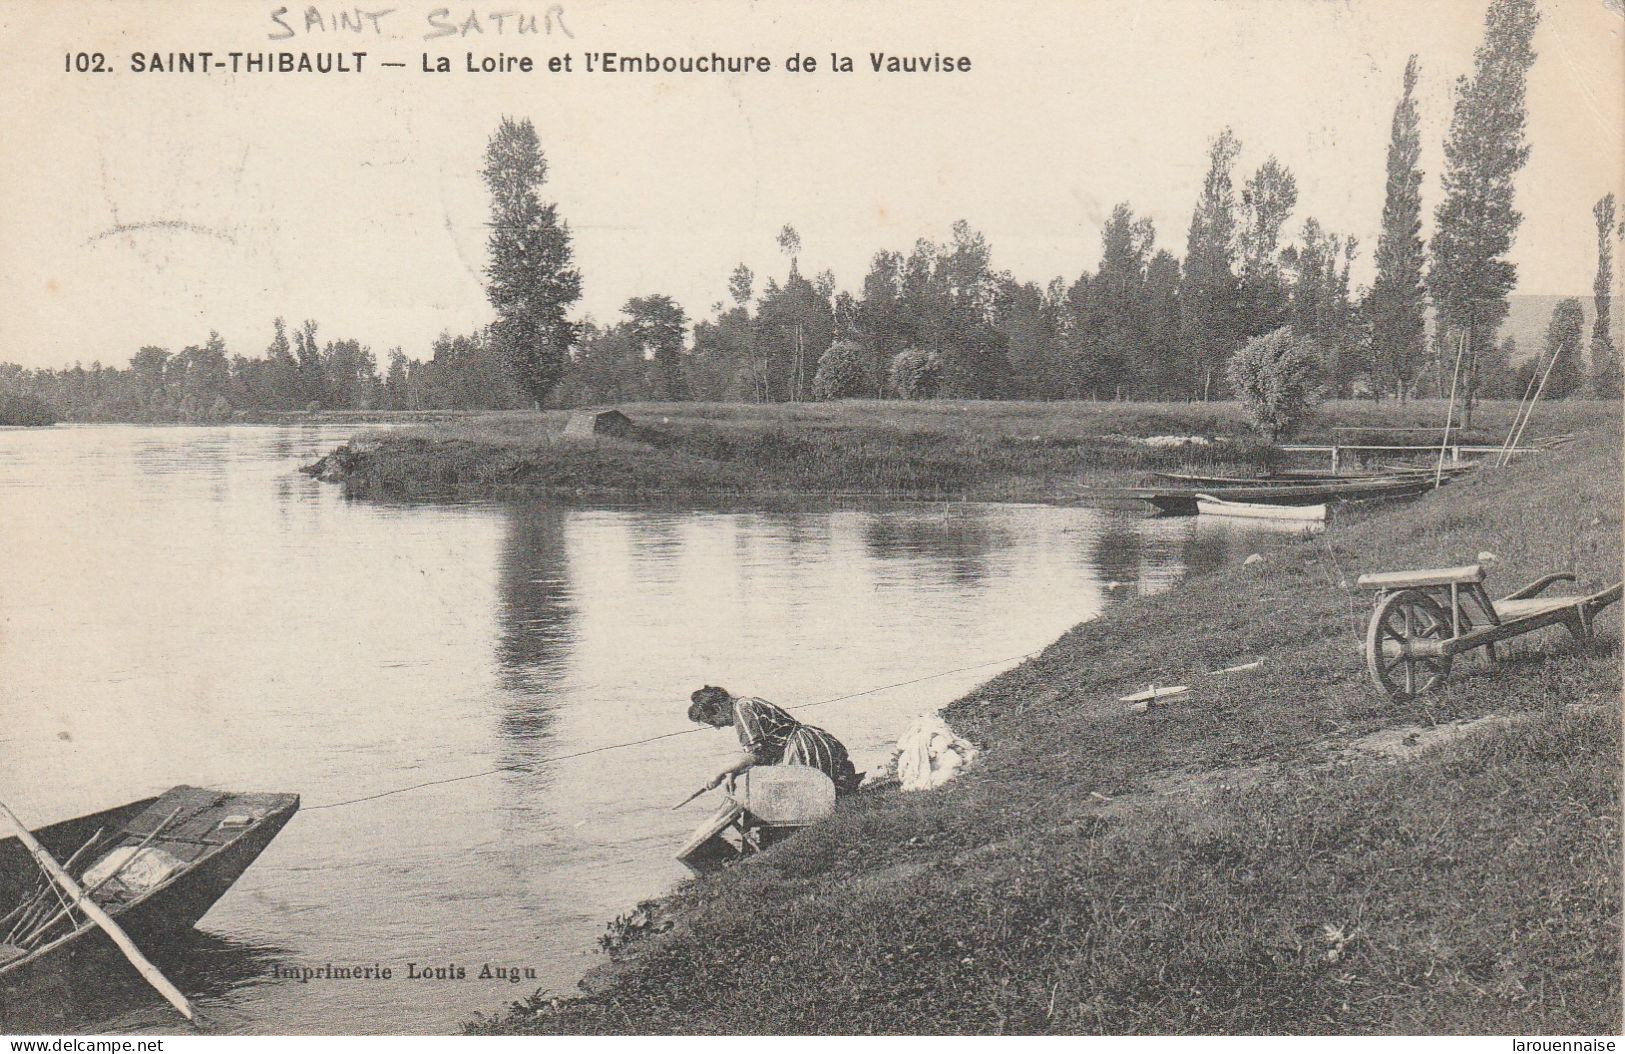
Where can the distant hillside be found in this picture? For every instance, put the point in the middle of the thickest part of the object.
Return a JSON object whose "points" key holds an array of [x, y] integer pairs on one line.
{"points": [[1529, 315]]}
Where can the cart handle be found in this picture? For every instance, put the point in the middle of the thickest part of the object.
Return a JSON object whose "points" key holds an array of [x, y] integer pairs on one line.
{"points": [[1536, 586]]}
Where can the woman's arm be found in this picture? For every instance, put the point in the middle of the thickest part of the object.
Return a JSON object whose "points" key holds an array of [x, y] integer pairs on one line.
{"points": [[737, 764]]}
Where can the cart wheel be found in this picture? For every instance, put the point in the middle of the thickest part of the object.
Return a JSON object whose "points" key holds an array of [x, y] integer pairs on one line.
{"points": [[1402, 617]]}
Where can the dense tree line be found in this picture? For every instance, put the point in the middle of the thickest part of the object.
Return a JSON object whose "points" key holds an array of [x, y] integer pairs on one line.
{"points": [[939, 320], [297, 372]]}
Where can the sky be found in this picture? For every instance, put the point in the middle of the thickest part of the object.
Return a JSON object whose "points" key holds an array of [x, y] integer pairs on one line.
{"points": [[146, 208]]}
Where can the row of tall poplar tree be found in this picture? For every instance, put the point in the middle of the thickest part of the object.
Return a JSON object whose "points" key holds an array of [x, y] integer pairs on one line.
{"points": [[1145, 324], [938, 320]]}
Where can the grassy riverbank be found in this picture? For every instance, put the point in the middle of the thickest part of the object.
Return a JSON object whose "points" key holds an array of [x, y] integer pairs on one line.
{"points": [[969, 450], [1282, 850]]}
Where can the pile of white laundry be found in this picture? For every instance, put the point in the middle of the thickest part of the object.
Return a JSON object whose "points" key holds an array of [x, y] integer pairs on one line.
{"points": [[929, 753], [136, 870]]}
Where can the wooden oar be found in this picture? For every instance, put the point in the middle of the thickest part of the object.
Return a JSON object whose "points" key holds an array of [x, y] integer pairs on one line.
{"points": [[101, 918]]}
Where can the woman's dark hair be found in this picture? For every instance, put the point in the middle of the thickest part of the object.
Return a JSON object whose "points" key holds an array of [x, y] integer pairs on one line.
{"points": [[707, 704]]}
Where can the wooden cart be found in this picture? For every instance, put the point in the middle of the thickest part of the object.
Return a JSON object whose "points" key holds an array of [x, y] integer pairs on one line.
{"points": [[1423, 619]]}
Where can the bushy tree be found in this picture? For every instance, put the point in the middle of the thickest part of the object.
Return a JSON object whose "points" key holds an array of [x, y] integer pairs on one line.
{"points": [[725, 363], [916, 373], [1564, 335], [530, 280], [882, 325], [463, 372], [148, 368], [1470, 276], [1210, 322], [1166, 369], [1108, 338], [20, 409], [282, 370], [1027, 317], [944, 298], [1320, 308], [657, 324], [1267, 201], [350, 375], [1274, 376], [1605, 364], [1497, 377], [307, 353], [792, 328], [949, 294], [842, 372]]}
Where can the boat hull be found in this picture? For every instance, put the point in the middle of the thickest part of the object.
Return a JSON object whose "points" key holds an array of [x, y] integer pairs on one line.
{"points": [[1247, 510], [174, 906], [1171, 503], [1184, 502]]}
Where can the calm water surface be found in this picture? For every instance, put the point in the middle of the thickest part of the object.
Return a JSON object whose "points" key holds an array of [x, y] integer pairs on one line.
{"points": [[177, 605]]}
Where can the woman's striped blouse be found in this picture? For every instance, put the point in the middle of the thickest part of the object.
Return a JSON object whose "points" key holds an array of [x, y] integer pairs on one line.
{"points": [[773, 737]]}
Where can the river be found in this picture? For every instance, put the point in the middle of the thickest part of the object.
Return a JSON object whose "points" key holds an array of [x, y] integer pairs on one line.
{"points": [[178, 605]]}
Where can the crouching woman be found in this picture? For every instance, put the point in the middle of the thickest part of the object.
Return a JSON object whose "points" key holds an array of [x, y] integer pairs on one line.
{"points": [[770, 736]]}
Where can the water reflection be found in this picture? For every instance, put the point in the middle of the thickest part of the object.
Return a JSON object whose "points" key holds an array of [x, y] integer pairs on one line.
{"points": [[98, 986], [953, 541], [1115, 556], [535, 618], [185, 607]]}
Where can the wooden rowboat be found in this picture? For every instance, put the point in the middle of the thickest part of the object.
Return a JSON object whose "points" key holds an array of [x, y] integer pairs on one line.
{"points": [[1208, 505], [1184, 501], [161, 864], [1304, 478], [1298, 477]]}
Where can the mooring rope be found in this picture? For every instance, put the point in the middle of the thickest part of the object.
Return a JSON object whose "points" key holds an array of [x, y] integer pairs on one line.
{"points": [[649, 739]]}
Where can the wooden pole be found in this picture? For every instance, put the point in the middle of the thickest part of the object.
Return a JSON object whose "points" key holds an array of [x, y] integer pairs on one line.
{"points": [[48, 863], [1501, 457], [1532, 404], [1450, 415], [22, 909], [690, 798], [48, 923]]}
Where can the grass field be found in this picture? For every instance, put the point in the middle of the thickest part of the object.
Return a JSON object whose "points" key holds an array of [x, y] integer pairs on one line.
{"points": [[971, 450], [1282, 851]]}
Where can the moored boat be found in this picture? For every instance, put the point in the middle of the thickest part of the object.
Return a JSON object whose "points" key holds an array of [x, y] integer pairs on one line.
{"points": [[1289, 478], [1184, 501], [156, 866], [1170, 502], [1208, 505], [1307, 477]]}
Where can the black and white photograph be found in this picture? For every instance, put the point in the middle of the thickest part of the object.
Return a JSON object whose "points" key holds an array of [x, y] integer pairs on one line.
{"points": [[761, 518]]}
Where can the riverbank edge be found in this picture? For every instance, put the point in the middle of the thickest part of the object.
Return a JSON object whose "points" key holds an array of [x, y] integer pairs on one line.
{"points": [[377, 470], [1050, 453], [777, 464], [889, 850]]}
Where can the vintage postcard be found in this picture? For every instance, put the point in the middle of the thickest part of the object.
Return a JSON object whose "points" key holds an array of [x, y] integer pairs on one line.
{"points": [[741, 517]]}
